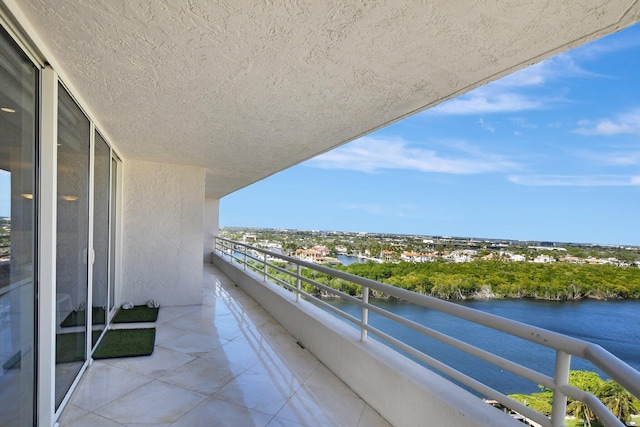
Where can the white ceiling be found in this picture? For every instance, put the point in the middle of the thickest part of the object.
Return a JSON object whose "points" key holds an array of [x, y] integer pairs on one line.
{"points": [[248, 88]]}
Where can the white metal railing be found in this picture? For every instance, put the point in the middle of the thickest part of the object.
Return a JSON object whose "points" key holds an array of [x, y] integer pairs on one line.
{"points": [[257, 260]]}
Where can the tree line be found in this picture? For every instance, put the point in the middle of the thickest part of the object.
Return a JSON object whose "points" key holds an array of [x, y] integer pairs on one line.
{"points": [[496, 279], [486, 279]]}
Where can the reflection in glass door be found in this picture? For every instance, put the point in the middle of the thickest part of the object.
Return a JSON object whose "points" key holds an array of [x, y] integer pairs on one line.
{"points": [[72, 242], [18, 83], [100, 285]]}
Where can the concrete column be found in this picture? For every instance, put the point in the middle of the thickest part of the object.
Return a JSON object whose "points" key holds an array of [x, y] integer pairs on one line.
{"points": [[211, 226]]}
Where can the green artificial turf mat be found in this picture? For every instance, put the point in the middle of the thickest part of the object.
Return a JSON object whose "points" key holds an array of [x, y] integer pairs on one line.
{"points": [[139, 313], [126, 343], [77, 318], [70, 347]]}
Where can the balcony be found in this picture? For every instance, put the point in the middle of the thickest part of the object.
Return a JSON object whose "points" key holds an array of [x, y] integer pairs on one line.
{"points": [[225, 362]]}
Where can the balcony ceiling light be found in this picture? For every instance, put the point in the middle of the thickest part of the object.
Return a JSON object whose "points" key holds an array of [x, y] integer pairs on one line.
{"points": [[27, 196], [8, 110], [69, 198]]}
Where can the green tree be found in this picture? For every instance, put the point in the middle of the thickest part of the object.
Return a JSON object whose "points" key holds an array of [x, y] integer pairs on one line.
{"points": [[619, 401], [589, 382]]}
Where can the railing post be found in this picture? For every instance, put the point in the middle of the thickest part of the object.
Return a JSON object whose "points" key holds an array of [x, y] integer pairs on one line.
{"points": [[561, 377], [365, 313], [244, 258], [298, 282], [264, 261]]}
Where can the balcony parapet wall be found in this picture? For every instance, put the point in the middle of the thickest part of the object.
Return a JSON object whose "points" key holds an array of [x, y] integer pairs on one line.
{"points": [[402, 391]]}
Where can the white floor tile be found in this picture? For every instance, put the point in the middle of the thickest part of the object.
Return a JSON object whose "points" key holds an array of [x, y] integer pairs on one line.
{"points": [[219, 413], [153, 403], [103, 383], [193, 342], [259, 391], [226, 362], [202, 375], [159, 363], [92, 420]]}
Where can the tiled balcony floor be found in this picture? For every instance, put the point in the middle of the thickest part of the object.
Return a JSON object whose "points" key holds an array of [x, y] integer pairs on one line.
{"points": [[223, 363]]}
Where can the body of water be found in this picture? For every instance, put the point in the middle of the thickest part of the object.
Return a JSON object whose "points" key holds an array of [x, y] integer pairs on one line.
{"points": [[348, 260], [614, 325]]}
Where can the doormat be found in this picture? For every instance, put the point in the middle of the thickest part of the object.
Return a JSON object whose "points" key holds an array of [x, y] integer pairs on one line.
{"points": [[77, 318], [126, 343], [139, 313], [70, 347]]}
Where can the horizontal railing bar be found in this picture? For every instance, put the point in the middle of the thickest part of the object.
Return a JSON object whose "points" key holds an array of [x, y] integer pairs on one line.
{"points": [[625, 375], [313, 299], [15, 285], [462, 378], [281, 282], [336, 292], [495, 360], [318, 302], [281, 269]]}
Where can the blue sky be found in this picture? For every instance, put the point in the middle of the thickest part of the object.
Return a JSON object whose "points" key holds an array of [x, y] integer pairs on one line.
{"points": [[549, 153]]}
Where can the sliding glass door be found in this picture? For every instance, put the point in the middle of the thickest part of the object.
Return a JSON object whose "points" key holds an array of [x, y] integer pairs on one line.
{"points": [[101, 193], [18, 95], [72, 242], [113, 227]]}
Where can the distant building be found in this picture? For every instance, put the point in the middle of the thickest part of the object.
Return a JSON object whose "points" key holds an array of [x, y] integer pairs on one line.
{"points": [[417, 257], [572, 260], [543, 259], [386, 255]]}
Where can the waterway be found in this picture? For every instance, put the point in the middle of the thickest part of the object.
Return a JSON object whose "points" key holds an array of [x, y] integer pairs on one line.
{"points": [[348, 260], [615, 325]]}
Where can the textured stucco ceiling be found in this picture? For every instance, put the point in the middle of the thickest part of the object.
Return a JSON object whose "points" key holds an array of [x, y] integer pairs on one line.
{"points": [[248, 88]]}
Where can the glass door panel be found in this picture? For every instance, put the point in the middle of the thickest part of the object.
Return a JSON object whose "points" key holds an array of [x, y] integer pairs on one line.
{"points": [[115, 170], [72, 239], [100, 285], [18, 82]]}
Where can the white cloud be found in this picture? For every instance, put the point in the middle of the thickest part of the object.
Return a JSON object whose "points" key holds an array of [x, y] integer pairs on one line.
{"points": [[611, 44], [485, 102], [621, 159], [369, 154], [522, 123], [625, 123], [486, 126], [575, 180], [562, 65], [509, 94]]}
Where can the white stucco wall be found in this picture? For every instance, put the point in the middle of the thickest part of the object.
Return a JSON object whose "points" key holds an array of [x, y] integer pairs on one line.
{"points": [[211, 220], [162, 233]]}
